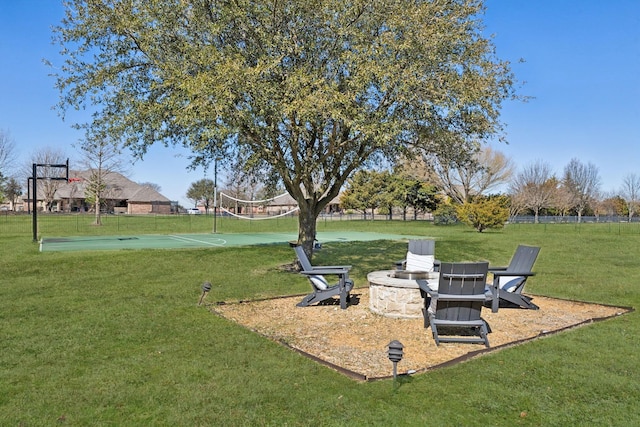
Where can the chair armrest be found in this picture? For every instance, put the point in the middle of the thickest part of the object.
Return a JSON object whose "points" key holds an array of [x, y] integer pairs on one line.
{"points": [[424, 286], [463, 276], [331, 267], [430, 292], [337, 271], [513, 273], [449, 297]]}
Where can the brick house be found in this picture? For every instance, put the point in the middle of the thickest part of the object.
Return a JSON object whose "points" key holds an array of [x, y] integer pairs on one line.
{"points": [[120, 196]]}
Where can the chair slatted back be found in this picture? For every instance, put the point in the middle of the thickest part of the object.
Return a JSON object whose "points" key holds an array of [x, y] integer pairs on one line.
{"points": [[461, 279], [302, 257], [422, 247], [523, 259]]}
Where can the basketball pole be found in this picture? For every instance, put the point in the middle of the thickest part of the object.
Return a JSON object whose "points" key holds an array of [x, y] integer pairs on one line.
{"points": [[34, 180]]}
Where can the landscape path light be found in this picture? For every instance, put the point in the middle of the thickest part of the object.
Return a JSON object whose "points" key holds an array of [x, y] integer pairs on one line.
{"points": [[395, 355], [206, 287]]}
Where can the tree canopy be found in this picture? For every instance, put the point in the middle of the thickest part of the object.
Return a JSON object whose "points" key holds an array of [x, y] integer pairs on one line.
{"points": [[582, 182], [100, 158], [462, 176], [203, 191], [367, 190], [310, 90]]}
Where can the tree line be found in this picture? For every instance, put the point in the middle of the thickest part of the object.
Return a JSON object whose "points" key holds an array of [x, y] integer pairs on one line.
{"points": [[466, 190]]}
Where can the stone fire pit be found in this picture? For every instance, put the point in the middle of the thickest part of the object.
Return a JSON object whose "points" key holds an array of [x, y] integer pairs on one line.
{"points": [[396, 294]]}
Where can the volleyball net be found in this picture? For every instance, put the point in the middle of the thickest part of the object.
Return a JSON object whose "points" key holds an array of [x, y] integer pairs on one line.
{"points": [[255, 210]]}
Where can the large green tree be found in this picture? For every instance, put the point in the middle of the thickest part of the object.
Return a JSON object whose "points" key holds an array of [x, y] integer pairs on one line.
{"points": [[367, 190], [203, 191], [415, 194], [311, 89]]}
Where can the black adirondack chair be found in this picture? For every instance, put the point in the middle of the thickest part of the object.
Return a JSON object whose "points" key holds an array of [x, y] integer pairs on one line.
{"points": [[420, 256], [322, 290], [508, 282], [459, 301]]}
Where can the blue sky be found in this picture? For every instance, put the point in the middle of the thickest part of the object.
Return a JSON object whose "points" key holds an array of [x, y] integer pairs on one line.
{"points": [[582, 68]]}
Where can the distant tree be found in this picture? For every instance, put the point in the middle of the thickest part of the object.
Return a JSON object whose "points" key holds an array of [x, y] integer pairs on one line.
{"points": [[366, 190], [581, 183], [416, 167], [2, 189], [484, 212], [417, 195], [611, 205], [563, 201], [630, 192], [464, 176], [46, 187], [533, 188], [313, 91], [388, 193], [151, 185], [445, 214], [414, 187], [202, 191], [7, 153], [496, 169], [101, 157], [12, 190]]}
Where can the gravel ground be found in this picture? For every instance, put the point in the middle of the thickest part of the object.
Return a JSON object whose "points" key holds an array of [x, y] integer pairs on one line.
{"points": [[354, 340]]}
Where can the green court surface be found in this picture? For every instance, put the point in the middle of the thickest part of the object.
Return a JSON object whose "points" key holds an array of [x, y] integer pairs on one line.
{"points": [[181, 241]]}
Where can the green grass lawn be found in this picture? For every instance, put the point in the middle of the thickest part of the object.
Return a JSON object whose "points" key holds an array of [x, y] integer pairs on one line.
{"points": [[117, 338]]}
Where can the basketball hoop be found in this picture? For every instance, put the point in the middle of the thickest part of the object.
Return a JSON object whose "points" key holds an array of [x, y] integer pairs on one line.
{"points": [[70, 180], [34, 181]]}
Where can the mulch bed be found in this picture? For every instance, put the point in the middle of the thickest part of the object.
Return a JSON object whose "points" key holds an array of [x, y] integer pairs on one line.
{"points": [[354, 341]]}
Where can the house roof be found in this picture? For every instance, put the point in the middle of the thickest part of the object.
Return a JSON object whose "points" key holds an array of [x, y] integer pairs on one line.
{"points": [[118, 187]]}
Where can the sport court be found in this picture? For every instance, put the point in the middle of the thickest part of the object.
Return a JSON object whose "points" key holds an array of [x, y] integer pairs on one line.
{"points": [[204, 240]]}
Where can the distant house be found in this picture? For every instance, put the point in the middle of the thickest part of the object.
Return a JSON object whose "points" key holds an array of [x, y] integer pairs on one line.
{"points": [[121, 195], [279, 206], [287, 203]]}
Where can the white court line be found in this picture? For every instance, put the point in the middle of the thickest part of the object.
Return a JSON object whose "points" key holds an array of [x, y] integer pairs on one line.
{"points": [[187, 239]]}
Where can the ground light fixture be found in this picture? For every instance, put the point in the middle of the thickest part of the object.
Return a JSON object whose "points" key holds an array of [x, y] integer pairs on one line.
{"points": [[206, 287], [395, 355]]}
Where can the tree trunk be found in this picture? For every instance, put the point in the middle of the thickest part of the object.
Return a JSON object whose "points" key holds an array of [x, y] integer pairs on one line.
{"points": [[98, 220], [306, 229]]}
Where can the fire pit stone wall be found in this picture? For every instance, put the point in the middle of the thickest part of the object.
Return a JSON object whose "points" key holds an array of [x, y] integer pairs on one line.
{"points": [[396, 297]]}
